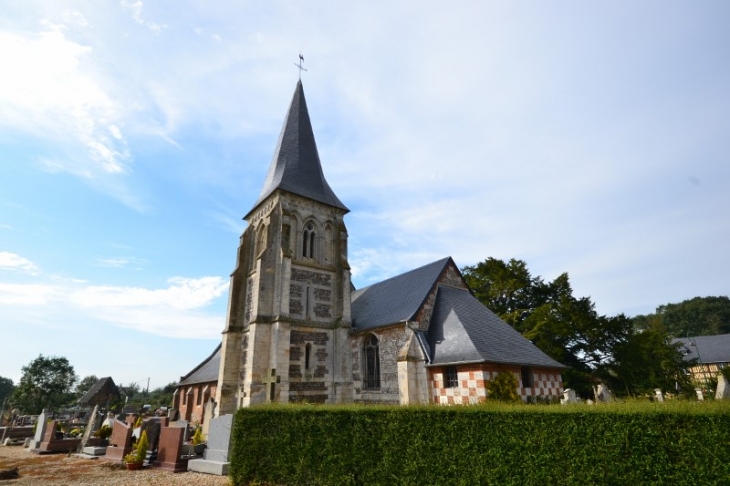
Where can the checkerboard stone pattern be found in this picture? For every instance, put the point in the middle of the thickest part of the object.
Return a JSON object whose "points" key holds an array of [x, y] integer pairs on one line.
{"points": [[473, 379]]}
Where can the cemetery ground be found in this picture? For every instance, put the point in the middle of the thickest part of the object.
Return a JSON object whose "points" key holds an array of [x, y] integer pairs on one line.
{"points": [[62, 469]]}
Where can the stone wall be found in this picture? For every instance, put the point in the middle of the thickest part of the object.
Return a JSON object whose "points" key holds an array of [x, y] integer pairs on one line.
{"points": [[309, 381], [311, 294], [547, 383], [390, 341]]}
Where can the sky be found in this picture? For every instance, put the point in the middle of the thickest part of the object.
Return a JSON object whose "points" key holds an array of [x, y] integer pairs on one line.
{"points": [[583, 137]]}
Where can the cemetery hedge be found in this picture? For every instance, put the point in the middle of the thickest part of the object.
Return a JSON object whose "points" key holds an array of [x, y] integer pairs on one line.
{"points": [[683, 443]]}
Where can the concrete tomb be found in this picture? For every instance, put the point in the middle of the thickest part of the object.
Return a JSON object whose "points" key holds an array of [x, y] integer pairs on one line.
{"points": [[723, 388], [215, 458], [52, 443], [120, 442], [169, 451]]}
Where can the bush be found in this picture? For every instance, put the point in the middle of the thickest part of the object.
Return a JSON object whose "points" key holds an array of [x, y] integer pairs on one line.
{"points": [[503, 387], [643, 443], [140, 450]]}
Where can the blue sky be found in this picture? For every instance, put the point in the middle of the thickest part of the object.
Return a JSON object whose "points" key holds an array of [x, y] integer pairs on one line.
{"points": [[584, 138]]}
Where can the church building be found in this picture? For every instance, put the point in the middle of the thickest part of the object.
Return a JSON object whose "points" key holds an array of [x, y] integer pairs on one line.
{"points": [[298, 331]]}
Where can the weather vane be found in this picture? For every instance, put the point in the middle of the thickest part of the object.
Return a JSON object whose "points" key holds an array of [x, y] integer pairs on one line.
{"points": [[301, 68]]}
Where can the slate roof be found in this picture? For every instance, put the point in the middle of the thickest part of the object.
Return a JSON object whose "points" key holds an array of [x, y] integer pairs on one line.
{"points": [[295, 167], [463, 330], [397, 299], [205, 372], [100, 392], [712, 349]]}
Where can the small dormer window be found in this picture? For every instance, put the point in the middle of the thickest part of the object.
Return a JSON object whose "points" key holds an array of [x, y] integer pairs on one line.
{"points": [[308, 241]]}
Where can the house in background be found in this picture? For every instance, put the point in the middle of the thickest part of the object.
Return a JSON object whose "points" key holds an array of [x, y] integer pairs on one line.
{"points": [[709, 353], [103, 393], [196, 388]]}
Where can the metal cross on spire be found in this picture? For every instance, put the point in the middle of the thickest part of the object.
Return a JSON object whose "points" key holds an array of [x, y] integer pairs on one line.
{"points": [[301, 68]]}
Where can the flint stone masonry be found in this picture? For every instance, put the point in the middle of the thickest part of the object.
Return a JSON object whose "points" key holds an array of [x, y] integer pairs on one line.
{"points": [[314, 278], [301, 337], [295, 353], [295, 371], [309, 399], [303, 386]]}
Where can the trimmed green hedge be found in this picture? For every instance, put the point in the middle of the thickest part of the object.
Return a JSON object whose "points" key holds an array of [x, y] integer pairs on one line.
{"points": [[522, 445]]}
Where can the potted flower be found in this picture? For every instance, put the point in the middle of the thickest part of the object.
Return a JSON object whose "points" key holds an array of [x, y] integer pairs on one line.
{"points": [[134, 459], [198, 441], [103, 434]]}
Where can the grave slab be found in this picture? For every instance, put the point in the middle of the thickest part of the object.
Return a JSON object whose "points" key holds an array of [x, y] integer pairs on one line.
{"points": [[215, 458]]}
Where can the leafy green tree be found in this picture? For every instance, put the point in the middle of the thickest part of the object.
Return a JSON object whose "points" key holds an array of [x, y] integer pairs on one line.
{"points": [[84, 385], [6, 388], [647, 360], [47, 382], [700, 316], [503, 387], [569, 330], [162, 397]]}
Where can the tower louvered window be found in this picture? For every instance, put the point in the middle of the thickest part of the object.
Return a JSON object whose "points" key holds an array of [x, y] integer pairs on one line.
{"points": [[308, 239]]}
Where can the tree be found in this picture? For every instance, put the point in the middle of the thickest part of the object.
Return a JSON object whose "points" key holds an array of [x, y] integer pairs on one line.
{"points": [[47, 382], [645, 361], [569, 330], [84, 385], [700, 316], [6, 388]]}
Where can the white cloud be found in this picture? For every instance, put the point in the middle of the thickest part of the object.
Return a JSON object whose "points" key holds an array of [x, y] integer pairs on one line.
{"points": [[176, 311], [119, 262], [136, 8], [182, 294], [26, 294], [13, 261], [49, 94]]}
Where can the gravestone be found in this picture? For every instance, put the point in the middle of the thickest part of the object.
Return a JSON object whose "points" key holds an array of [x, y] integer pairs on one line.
{"points": [[120, 443], [723, 388], [109, 420], [208, 412], [602, 393], [658, 394], [51, 443], [40, 430], [92, 426], [171, 414], [215, 458], [183, 424], [152, 427], [569, 397], [169, 450], [700, 395]]}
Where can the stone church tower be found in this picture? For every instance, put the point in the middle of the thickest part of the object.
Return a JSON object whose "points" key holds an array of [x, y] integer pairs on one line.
{"points": [[287, 334]]}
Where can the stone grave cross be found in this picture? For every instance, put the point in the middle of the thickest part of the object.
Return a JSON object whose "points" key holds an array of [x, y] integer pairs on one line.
{"points": [[270, 381]]}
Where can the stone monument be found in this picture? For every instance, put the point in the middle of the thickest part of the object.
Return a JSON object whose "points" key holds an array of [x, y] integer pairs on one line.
{"points": [[215, 457]]}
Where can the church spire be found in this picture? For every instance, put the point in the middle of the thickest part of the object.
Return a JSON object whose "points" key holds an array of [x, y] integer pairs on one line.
{"points": [[295, 167]]}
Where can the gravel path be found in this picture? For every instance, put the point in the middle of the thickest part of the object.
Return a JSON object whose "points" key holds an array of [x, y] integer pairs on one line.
{"points": [[60, 469]]}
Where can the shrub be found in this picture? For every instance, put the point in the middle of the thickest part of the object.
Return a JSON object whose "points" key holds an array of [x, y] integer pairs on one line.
{"points": [[197, 437], [503, 387], [140, 450], [104, 432]]}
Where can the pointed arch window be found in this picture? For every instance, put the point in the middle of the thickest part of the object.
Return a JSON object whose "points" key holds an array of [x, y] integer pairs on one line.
{"points": [[371, 363], [308, 239]]}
